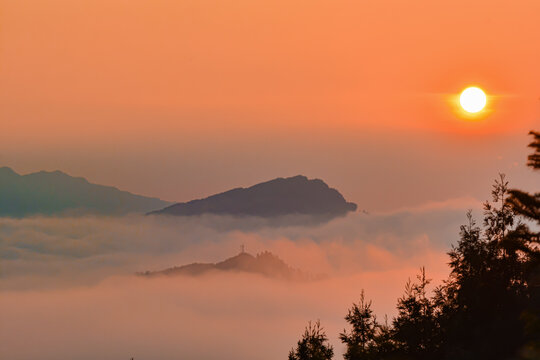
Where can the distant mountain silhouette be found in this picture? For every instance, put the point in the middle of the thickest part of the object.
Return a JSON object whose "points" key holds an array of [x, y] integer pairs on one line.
{"points": [[265, 263], [282, 196], [50, 193]]}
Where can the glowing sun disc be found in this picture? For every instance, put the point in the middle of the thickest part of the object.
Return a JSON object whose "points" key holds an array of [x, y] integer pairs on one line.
{"points": [[473, 99]]}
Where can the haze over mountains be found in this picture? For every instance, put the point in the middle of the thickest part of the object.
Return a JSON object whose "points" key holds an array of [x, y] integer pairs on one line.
{"points": [[264, 263], [52, 193], [57, 193], [278, 197]]}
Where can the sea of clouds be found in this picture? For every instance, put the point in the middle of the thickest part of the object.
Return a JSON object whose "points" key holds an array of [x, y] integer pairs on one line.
{"points": [[68, 290]]}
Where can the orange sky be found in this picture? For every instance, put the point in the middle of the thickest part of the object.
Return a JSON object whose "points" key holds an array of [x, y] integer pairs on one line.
{"points": [[181, 99]]}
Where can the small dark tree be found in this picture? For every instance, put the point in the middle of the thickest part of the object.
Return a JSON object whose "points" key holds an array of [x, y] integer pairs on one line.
{"points": [[498, 215], [313, 345], [361, 340], [415, 327], [467, 260]]}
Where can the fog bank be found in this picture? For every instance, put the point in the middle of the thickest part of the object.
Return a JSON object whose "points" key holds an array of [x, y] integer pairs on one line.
{"points": [[67, 284]]}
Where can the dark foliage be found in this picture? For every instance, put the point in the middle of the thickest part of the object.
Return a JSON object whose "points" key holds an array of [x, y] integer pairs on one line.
{"points": [[488, 308], [362, 339], [415, 328], [534, 158], [487, 290], [527, 242], [313, 345]]}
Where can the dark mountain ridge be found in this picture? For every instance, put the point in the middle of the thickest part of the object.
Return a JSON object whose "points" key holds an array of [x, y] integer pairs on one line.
{"points": [[281, 196], [52, 193], [265, 263]]}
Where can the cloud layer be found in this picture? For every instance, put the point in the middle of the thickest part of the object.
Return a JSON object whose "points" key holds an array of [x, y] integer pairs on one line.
{"points": [[67, 284]]}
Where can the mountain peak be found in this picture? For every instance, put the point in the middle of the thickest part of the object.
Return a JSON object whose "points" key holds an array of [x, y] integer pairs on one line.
{"points": [[277, 197], [55, 192], [265, 263], [7, 171]]}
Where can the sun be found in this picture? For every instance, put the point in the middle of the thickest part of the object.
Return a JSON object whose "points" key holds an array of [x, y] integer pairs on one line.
{"points": [[473, 99]]}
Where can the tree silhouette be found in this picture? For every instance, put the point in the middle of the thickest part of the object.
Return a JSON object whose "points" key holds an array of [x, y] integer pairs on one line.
{"points": [[525, 204], [488, 308], [361, 340], [526, 243], [313, 345], [415, 327]]}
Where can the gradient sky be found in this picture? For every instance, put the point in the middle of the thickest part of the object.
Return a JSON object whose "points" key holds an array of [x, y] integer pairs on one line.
{"points": [[181, 99]]}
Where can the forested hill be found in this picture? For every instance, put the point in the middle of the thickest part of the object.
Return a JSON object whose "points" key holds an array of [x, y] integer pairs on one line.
{"points": [[265, 263]]}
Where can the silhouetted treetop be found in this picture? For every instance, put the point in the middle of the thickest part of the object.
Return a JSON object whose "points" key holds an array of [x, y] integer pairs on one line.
{"points": [[314, 345]]}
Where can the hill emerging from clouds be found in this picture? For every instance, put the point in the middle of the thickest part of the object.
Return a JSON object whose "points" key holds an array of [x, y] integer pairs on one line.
{"points": [[53, 193], [265, 263], [282, 196]]}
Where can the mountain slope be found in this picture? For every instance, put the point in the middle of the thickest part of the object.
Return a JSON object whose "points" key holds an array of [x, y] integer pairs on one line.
{"points": [[50, 193], [265, 263], [282, 196]]}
